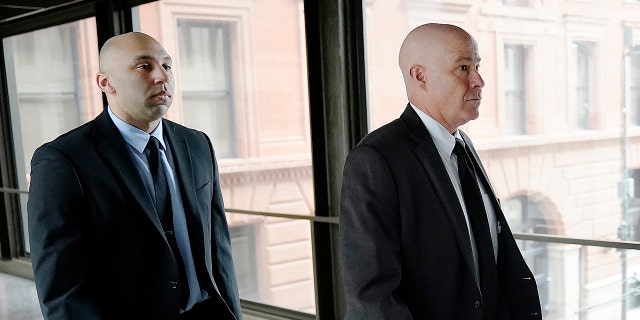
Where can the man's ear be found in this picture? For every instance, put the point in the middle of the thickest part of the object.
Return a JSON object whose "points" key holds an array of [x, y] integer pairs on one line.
{"points": [[417, 73], [104, 83]]}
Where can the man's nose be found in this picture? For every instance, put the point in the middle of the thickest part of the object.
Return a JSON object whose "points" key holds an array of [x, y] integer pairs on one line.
{"points": [[161, 75], [476, 80]]}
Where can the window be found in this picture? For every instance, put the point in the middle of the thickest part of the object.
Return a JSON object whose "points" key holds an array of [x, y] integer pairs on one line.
{"points": [[633, 100], [206, 81], [633, 205], [548, 132], [551, 178], [52, 89], [514, 92], [520, 3], [581, 57], [241, 78], [243, 241]]}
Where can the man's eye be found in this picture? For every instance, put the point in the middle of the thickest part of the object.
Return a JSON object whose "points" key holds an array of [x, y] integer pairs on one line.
{"points": [[167, 67], [143, 66], [464, 68]]}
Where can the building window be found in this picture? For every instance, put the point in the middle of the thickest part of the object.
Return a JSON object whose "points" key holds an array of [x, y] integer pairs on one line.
{"points": [[206, 82], [51, 89], [633, 209], [519, 3], [514, 93], [633, 101], [243, 242], [581, 59], [46, 106]]}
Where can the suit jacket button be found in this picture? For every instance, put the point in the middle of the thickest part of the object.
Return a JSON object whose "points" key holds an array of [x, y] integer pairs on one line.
{"points": [[476, 304], [173, 284]]}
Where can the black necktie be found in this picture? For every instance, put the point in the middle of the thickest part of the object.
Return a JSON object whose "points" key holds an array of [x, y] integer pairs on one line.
{"points": [[479, 223], [163, 207], [163, 199]]}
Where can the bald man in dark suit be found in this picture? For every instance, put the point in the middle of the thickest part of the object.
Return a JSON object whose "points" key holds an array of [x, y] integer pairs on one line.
{"points": [[102, 245], [410, 246]]}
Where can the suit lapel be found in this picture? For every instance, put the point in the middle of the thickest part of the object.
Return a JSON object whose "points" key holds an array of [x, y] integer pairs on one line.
{"points": [[183, 168], [478, 165], [113, 149], [184, 176], [185, 171], [428, 156]]}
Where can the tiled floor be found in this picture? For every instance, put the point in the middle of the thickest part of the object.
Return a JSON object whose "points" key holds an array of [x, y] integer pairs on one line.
{"points": [[18, 299]]}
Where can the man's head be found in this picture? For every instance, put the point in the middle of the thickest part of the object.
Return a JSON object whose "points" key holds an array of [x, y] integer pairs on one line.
{"points": [[439, 63], [135, 75]]}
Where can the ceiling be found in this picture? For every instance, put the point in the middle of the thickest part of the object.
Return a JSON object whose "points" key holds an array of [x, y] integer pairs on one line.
{"points": [[13, 9]]}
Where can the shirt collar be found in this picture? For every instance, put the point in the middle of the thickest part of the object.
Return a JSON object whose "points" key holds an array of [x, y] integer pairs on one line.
{"points": [[443, 140], [135, 137]]}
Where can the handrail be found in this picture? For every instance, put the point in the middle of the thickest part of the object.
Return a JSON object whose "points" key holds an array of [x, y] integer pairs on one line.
{"points": [[313, 218], [11, 190], [617, 244]]}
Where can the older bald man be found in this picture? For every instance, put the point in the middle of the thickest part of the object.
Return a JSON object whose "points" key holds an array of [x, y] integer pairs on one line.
{"points": [[106, 243], [413, 243]]}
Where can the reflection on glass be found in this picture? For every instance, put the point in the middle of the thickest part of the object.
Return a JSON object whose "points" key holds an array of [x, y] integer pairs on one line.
{"points": [[557, 165], [51, 88], [240, 72]]}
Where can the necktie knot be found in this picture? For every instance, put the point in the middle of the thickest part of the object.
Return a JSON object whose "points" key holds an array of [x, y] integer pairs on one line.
{"points": [[153, 144], [461, 153]]}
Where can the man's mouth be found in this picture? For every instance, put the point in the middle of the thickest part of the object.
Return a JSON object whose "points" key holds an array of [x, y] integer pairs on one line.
{"points": [[475, 97], [163, 95]]}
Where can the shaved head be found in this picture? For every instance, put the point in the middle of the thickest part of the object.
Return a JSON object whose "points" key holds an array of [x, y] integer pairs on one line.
{"points": [[115, 47], [135, 75], [426, 42], [439, 64]]}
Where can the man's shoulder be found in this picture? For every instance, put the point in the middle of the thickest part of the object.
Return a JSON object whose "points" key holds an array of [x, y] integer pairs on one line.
{"points": [[180, 129], [73, 137], [388, 135], [180, 135]]}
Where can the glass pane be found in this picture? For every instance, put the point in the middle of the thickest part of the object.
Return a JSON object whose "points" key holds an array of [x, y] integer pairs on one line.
{"points": [[207, 95], [551, 178], [516, 2], [514, 83], [273, 258], [241, 78], [570, 289], [51, 88], [633, 98], [581, 55]]}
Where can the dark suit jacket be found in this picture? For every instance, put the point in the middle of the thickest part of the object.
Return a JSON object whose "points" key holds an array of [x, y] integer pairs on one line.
{"points": [[97, 246], [404, 242]]}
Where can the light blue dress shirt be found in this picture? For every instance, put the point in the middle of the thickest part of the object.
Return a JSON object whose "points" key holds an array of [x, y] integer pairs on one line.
{"points": [[137, 141]]}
